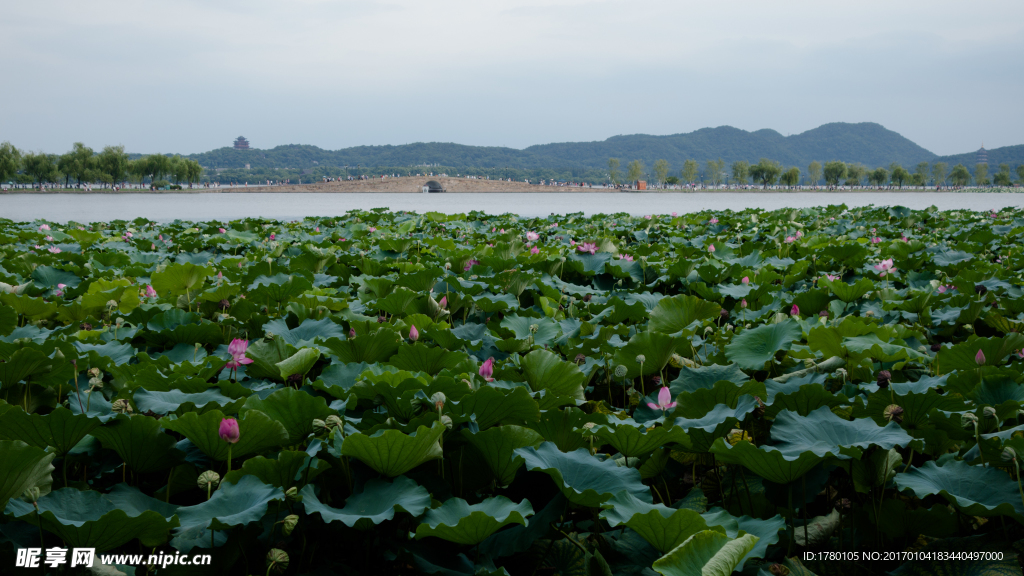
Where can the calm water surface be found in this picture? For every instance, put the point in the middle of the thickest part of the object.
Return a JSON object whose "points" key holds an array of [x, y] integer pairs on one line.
{"points": [[293, 206]]}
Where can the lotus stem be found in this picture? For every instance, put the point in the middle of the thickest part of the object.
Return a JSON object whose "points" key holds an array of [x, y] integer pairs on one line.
{"points": [[229, 457], [1016, 466]]}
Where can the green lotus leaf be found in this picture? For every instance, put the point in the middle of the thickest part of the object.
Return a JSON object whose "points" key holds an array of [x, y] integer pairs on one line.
{"points": [[752, 348], [707, 553], [847, 292], [24, 467], [33, 308], [176, 400], [178, 279], [423, 358], [231, 505], [490, 406], [691, 379], [307, 331], [459, 522], [656, 348], [60, 429], [290, 468], [140, 441], [821, 432], [666, 531], [31, 365], [497, 446], [392, 452], [299, 363], [376, 346], [257, 432], [90, 519], [8, 320], [278, 288], [767, 531], [765, 461], [293, 409], [583, 479], [115, 352], [547, 329], [265, 355], [673, 315], [48, 277], [378, 501], [632, 441], [545, 370], [963, 355], [973, 490]]}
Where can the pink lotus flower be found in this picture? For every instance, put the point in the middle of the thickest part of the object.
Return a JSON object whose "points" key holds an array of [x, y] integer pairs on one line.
{"points": [[44, 227], [221, 230], [942, 289], [444, 302], [790, 239], [799, 234], [351, 332], [229, 430], [414, 334], [872, 230], [665, 402], [712, 221], [993, 215], [128, 234], [831, 278], [743, 303], [237, 350], [61, 286], [626, 257], [317, 229], [502, 230], [905, 239], [534, 250], [54, 250], [711, 248], [980, 358], [876, 240], [48, 238], [272, 236], [648, 217], [470, 264], [587, 247], [160, 237], [150, 292], [884, 267], [674, 214], [152, 246], [531, 236], [487, 369], [745, 280], [555, 225], [58, 293], [794, 311]]}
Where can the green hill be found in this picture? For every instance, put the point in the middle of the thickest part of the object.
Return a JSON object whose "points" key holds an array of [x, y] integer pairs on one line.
{"points": [[867, 143], [1012, 155]]}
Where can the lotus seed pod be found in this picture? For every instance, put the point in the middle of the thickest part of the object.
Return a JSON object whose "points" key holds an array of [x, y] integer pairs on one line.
{"points": [[621, 371], [640, 358], [94, 372], [969, 328], [675, 360], [893, 413], [208, 479], [319, 426], [119, 321], [589, 425], [289, 523], [968, 419], [534, 328], [278, 559], [111, 303], [447, 421], [1008, 455], [333, 421], [96, 382], [778, 570], [121, 406], [292, 495], [989, 412]]}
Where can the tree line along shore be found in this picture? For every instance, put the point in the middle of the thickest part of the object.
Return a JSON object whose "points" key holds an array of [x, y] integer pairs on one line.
{"points": [[83, 168]]}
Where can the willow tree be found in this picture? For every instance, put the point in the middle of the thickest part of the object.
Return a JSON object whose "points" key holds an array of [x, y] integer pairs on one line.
{"points": [[834, 172], [939, 173], [766, 172], [814, 173], [660, 171], [613, 170], [715, 170], [959, 175], [634, 170], [740, 172], [10, 161], [690, 171]]}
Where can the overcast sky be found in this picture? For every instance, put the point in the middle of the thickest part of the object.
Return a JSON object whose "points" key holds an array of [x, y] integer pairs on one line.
{"points": [[191, 75]]}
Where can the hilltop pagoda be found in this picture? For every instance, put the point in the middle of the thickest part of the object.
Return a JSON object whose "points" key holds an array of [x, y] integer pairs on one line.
{"points": [[982, 157], [241, 143]]}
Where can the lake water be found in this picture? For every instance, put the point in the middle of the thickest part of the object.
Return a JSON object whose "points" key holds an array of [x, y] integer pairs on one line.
{"points": [[294, 206]]}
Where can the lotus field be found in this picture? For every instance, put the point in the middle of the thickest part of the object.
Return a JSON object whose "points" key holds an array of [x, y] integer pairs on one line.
{"points": [[399, 393]]}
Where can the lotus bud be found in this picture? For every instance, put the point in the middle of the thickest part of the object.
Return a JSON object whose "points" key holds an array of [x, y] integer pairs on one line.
{"points": [[333, 421], [292, 494], [438, 400], [640, 358], [447, 265], [534, 328], [969, 328], [446, 420], [968, 419], [319, 426], [94, 372], [710, 329], [989, 412], [121, 406], [278, 560], [414, 334], [979, 358], [1008, 455], [621, 371], [289, 523], [208, 479], [893, 413]]}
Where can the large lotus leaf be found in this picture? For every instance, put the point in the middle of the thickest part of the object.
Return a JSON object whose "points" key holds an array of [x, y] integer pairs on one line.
{"points": [[31, 365], [277, 288], [691, 379], [707, 553], [584, 479], [33, 308], [767, 531], [392, 452], [632, 441], [665, 531], [308, 331], [292, 408], [8, 320], [803, 399], [91, 519], [423, 358], [490, 405], [951, 258], [231, 505], [140, 441], [299, 363], [116, 352], [822, 432], [400, 302], [497, 446], [547, 329], [545, 370], [178, 279], [674, 314], [257, 432], [377, 502], [462, 523], [974, 490], [765, 461], [48, 277], [174, 400], [290, 468], [846, 292], [339, 378], [265, 355], [963, 356], [751, 348], [61, 428], [376, 346], [23, 467], [656, 348]]}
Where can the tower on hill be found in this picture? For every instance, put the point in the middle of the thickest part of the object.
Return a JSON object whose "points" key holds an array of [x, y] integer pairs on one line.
{"points": [[982, 156], [241, 143]]}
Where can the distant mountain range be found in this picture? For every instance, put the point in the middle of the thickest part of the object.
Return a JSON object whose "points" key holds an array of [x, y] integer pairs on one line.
{"points": [[867, 143]]}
